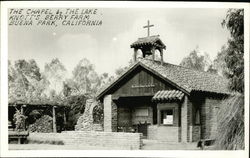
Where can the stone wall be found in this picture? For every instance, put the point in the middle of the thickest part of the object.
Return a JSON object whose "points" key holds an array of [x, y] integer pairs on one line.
{"points": [[114, 117], [184, 120], [107, 113], [163, 133], [85, 122], [110, 114], [111, 140]]}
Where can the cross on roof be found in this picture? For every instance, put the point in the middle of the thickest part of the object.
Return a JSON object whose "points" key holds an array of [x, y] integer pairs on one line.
{"points": [[148, 26]]}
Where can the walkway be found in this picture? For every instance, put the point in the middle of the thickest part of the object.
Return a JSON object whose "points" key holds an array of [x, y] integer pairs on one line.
{"points": [[161, 145]]}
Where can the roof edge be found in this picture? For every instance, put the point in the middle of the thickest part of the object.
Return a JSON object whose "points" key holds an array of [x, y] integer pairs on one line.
{"points": [[139, 63]]}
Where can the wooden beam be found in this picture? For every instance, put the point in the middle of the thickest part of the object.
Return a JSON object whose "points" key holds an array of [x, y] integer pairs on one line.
{"points": [[22, 110], [135, 54], [153, 53], [54, 119], [161, 53], [64, 118]]}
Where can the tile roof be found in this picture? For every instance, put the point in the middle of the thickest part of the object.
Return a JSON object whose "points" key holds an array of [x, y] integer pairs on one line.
{"points": [[187, 79], [168, 95], [152, 40]]}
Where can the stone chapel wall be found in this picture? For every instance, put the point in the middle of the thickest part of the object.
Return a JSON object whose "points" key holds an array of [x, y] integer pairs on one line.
{"points": [[85, 122]]}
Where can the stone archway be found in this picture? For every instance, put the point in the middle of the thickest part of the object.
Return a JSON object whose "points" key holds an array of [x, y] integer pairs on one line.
{"points": [[86, 122]]}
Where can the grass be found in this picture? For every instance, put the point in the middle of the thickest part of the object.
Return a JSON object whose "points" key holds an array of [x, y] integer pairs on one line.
{"points": [[45, 141]]}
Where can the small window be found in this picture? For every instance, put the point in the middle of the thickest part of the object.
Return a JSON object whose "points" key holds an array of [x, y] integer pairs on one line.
{"points": [[141, 112], [167, 117]]}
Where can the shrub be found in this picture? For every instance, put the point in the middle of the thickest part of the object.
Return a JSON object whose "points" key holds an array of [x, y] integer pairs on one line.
{"points": [[77, 106], [98, 114], [45, 141], [230, 135], [19, 120], [43, 124]]}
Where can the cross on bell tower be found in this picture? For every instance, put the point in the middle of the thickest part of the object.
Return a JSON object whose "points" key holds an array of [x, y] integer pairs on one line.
{"points": [[148, 27], [148, 45]]}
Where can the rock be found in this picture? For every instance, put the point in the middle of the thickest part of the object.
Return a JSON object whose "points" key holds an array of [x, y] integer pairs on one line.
{"points": [[85, 122]]}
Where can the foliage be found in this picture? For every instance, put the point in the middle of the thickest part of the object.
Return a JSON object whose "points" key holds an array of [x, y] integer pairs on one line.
{"points": [[105, 79], [98, 115], [85, 80], [55, 73], [219, 63], [230, 133], [231, 124], [45, 141], [19, 120], [234, 58], [29, 69], [25, 82], [196, 61], [28, 85], [43, 125], [77, 106], [121, 70]]}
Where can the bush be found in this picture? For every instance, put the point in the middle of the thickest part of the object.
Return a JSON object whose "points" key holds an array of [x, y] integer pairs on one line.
{"points": [[77, 106], [98, 114], [43, 125], [45, 141], [19, 120], [230, 135]]}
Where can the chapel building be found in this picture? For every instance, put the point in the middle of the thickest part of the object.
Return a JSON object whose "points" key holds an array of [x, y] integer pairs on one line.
{"points": [[161, 100]]}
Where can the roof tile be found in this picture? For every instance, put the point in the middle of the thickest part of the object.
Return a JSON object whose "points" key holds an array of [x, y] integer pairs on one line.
{"points": [[187, 79], [168, 95]]}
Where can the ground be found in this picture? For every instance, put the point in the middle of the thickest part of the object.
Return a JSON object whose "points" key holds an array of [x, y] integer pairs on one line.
{"points": [[147, 145]]}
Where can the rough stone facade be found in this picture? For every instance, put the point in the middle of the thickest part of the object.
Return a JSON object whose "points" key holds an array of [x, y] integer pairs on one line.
{"points": [[85, 122], [114, 117]]}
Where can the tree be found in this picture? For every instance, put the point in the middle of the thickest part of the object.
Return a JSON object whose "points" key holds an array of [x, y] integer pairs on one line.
{"points": [[24, 79], [105, 78], [219, 63], [234, 58], [121, 70], [230, 134], [77, 106], [196, 61], [85, 79], [55, 73]]}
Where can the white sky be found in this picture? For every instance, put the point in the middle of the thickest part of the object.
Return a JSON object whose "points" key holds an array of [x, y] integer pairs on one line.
{"points": [[108, 46]]}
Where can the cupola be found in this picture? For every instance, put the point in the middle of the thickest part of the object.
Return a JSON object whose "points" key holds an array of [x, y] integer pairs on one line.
{"points": [[148, 45]]}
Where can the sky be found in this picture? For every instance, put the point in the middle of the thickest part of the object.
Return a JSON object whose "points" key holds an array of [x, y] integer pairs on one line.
{"points": [[108, 46]]}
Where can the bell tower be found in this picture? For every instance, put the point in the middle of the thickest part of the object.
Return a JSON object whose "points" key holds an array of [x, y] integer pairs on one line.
{"points": [[148, 45]]}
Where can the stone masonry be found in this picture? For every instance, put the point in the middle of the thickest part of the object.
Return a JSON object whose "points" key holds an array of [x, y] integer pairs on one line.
{"points": [[85, 122], [184, 120], [110, 114], [99, 140]]}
